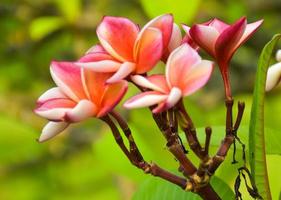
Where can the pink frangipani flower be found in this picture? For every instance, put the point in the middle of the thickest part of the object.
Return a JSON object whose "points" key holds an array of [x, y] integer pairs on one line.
{"points": [[186, 72], [134, 51], [80, 94], [221, 40]]}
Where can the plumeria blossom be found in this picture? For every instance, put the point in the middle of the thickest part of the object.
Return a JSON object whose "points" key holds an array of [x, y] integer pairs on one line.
{"points": [[131, 50], [80, 94], [274, 73], [185, 73], [221, 40]]}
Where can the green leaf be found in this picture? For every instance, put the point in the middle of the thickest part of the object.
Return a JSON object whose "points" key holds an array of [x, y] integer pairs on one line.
{"points": [[71, 9], [158, 189], [41, 27], [256, 131], [184, 10]]}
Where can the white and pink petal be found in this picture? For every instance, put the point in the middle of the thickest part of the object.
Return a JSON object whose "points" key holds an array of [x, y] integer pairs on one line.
{"points": [[51, 130], [145, 99], [117, 36], [67, 77]]}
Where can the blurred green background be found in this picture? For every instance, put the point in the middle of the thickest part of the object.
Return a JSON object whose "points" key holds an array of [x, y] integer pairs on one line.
{"points": [[85, 162]]}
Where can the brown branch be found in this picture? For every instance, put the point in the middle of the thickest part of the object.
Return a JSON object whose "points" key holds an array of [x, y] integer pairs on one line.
{"points": [[135, 156]]}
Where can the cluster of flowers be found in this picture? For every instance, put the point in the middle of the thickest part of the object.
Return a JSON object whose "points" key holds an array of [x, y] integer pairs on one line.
{"points": [[93, 85]]}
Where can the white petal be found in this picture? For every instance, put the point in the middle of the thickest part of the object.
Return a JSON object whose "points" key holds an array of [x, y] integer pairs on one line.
{"points": [[83, 110], [125, 69], [143, 82], [278, 55], [54, 92], [144, 100], [100, 66], [51, 130], [174, 96], [53, 114], [273, 76]]}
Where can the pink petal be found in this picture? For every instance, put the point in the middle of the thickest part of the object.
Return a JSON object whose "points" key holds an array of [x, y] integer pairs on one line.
{"points": [[228, 40], [112, 96], [174, 96], [124, 70], [187, 38], [179, 64], [51, 130], [118, 35], [96, 49], [148, 50], [145, 99], [205, 37], [94, 57], [95, 85], [219, 25], [83, 110], [54, 109], [197, 77], [273, 76], [101, 66], [52, 93], [249, 31], [154, 82], [67, 76], [174, 42], [164, 23]]}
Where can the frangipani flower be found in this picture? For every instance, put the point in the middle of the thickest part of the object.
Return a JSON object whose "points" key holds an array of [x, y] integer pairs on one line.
{"points": [[221, 41], [80, 94], [274, 73], [135, 51], [186, 72]]}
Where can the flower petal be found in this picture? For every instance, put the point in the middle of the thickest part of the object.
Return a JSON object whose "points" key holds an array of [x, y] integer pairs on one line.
{"points": [[154, 82], [54, 109], [124, 70], [83, 110], [95, 84], [249, 31], [228, 40], [205, 37], [52, 93], [145, 99], [179, 63], [197, 77], [174, 42], [118, 35], [67, 76], [94, 57], [112, 96], [187, 38], [219, 25], [164, 23], [273, 76], [278, 55], [96, 49], [101, 66], [148, 50], [174, 96], [51, 130]]}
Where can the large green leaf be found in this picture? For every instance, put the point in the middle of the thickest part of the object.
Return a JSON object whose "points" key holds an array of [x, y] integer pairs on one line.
{"points": [[184, 10], [256, 131], [157, 189]]}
